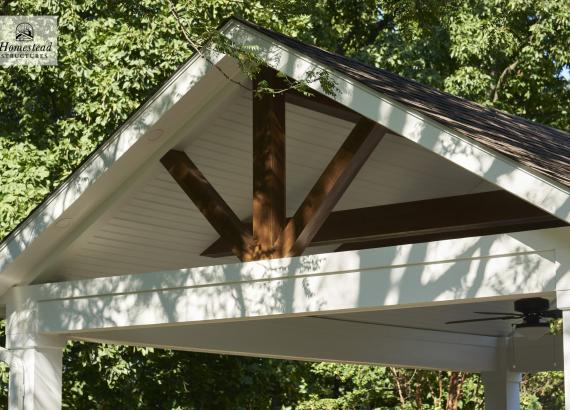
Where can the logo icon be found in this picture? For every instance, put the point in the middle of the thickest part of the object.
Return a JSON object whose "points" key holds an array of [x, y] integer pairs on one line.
{"points": [[24, 32], [28, 40]]}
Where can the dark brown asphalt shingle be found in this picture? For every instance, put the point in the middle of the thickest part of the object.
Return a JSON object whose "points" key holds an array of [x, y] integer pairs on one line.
{"points": [[543, 149]]}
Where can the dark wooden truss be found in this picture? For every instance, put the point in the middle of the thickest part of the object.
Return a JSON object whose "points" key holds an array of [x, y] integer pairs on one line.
{"points": [[270, 234]]}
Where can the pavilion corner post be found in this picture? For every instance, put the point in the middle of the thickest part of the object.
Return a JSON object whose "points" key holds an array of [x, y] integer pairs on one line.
{"points": [[35, 359], [502, 386], [563, 303]]}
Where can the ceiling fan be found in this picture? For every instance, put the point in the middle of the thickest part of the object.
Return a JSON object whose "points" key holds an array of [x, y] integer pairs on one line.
{"points": [[534, 313]]}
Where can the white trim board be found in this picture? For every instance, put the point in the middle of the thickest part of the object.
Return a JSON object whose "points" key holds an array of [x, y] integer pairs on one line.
{"points": [[450, 271]]}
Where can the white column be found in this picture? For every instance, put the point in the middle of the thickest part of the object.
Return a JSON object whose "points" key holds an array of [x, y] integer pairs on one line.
{"points": [[502, 386], [563, 303], [502, 390], [41, 370], [35, 359]]}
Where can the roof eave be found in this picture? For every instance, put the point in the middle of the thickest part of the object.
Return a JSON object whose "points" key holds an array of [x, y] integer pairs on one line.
{"points": [[538, 189]]}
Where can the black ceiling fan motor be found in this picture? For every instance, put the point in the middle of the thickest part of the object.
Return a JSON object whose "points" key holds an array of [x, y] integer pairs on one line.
{"points": [[531, 306], [532, 312]]}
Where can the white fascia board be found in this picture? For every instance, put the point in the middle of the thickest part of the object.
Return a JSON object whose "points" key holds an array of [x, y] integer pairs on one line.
{"points": [[151, 130], [318, 339], [450, 271], [400, 256], [537, 189]]}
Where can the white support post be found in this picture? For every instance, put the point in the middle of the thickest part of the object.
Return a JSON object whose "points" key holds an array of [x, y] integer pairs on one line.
{"points": [[41, 372], [502, 390], [563, 303], [566, 348], [502, 386], [35, 359]]}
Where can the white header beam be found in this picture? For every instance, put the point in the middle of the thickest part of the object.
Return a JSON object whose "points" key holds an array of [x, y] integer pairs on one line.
{"points": [[408, 275]]}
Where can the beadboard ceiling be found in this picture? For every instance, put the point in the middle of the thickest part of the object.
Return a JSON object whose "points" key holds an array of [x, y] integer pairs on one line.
{"points": [[154, 226]]}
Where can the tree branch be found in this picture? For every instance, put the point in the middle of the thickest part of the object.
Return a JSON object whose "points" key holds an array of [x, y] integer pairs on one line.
{"points": [[326, 81], [508, 69], [398, 385], [197, 48]]}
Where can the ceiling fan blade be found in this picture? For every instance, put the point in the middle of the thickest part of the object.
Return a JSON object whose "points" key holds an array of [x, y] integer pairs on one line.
{"points": [[499, 313], [483, 320], [554, 314]]}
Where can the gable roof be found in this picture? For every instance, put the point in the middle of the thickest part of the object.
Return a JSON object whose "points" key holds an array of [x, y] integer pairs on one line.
{"points": [[195, 89], [543, 149]]}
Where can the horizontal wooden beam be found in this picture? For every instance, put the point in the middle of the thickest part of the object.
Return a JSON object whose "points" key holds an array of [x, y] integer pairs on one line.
{"points": [[423, 221], [541, 222], [485, 213]]}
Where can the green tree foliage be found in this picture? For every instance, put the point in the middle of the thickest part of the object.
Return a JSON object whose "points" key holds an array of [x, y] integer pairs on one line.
{"points": [[103, 376], [339, 387], [509, 54]]}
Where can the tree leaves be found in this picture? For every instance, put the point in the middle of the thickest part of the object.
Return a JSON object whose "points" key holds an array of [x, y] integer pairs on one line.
{"points": [[112, 55]]}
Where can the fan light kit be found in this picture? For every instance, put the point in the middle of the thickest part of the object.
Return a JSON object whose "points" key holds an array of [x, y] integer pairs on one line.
{"points": [[534, 313], [532, 331]]}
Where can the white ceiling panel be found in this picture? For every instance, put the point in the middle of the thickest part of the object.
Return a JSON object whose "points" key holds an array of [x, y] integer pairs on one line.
{"points": [[156, 227]]}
